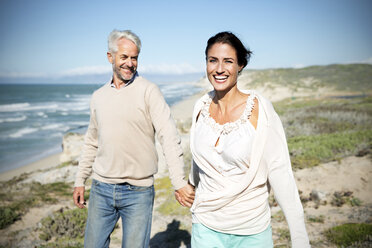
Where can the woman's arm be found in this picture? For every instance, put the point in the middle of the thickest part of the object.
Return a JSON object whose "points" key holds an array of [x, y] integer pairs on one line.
{"points": [[282, 181]]}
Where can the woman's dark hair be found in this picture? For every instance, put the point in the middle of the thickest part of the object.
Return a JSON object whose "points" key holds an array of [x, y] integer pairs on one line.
{"points": [[242, 53]]}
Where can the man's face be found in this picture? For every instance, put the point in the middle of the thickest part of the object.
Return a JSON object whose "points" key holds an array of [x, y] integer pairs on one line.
{"points": [[124, 61]]}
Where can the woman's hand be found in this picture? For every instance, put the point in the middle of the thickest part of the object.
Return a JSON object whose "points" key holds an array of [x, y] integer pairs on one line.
{"points": [[186, 195]]}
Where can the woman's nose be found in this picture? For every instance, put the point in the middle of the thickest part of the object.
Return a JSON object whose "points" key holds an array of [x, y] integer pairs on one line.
{"points": [[220, 68]]}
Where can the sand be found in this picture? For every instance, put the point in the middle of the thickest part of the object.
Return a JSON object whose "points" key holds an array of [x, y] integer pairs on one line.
{"points": [[350, 174], [42, 164]]}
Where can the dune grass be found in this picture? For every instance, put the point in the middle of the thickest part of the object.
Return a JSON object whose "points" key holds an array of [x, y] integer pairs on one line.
{"points": [[324, 130], [25, 196], [352, 77], [308, 151], [169, 206], [350, 234]]}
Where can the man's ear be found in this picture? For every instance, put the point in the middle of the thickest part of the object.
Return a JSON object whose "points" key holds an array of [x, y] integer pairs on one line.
{"points": [[110, 57]]}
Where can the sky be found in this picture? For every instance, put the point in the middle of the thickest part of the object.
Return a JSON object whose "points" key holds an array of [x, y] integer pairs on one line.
{"points": [[45, 38]]}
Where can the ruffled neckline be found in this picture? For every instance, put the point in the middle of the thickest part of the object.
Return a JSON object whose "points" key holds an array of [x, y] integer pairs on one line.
{"points": [[227, 127]]}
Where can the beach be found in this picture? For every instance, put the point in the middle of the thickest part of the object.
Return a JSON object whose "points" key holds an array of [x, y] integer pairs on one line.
{"points": [[42, 164], [317, 185]]}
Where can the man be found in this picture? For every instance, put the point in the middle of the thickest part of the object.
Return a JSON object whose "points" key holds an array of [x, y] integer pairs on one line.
{"points": [[119, 150]]}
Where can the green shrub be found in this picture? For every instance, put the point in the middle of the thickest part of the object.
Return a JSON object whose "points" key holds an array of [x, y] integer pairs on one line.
{"points": [[64, 243], [64, 223], [30, 195], [308, 151], [170, 206], [278, 216], [347, 234], [354, 201], [8, 216], [283, 234], [354, 77], [316, 219], [163, 187]]}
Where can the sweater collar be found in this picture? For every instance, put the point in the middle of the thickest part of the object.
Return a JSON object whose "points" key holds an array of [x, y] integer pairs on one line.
{"points": [[128, 83]]}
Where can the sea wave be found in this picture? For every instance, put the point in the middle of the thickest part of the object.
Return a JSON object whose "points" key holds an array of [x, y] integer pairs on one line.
{"points": [[42, 114], [23, 132], [55, 126], [18, 107], [74, 107], [14, 119], [14, 107]]}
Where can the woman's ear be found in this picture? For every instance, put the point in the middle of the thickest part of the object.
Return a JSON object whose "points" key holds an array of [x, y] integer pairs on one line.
{"points": [[241, 67]]}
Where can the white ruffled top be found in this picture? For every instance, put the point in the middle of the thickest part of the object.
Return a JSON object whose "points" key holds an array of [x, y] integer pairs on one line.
{"points": [[232, 175], [230, 157], [229, 126]]}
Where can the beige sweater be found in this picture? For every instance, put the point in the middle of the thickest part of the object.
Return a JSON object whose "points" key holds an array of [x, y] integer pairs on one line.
{"points": [[119, 144]]}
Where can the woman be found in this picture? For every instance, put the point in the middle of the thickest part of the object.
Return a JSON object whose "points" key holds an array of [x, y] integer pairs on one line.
{"points": [[239, 151]]}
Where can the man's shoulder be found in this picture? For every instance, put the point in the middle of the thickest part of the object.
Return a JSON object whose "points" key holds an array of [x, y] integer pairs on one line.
{"points": [[140, 80], [100, 90], [145, 86]]}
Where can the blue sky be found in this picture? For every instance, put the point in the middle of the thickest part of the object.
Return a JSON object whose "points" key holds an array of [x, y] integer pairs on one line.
{"points": [[57, 38]]}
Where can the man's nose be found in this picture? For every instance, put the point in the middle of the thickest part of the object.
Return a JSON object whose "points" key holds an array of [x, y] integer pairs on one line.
{"points": [[129, 62]]}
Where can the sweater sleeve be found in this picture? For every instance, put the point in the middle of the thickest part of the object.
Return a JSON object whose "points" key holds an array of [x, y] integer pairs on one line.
{"points": [[283, 183], [89, 150], [194, 171], [167, 135]]}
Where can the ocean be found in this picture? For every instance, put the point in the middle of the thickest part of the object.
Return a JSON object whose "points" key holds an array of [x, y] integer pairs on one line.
{"points": [[34, 118]]}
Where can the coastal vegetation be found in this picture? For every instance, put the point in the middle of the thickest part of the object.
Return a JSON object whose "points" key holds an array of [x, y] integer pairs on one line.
{"points": [[65, 228], [348, 77], [16, 199], [319, 129], [327, 129], [350, 235], [169, 205]]}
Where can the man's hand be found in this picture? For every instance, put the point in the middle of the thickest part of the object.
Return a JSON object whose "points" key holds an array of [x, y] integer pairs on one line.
{"points": [[186, 195], [79, 197]]}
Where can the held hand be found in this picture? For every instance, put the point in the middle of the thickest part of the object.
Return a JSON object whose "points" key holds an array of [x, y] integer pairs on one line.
{"points": [[186, 195], [79, 197]]}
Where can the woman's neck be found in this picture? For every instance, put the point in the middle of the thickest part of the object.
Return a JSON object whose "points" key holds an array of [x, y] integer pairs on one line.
{"points": [[228, 99]]}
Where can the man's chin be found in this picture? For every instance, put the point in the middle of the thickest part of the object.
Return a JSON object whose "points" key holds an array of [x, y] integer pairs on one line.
{"points": [[126, 77]]}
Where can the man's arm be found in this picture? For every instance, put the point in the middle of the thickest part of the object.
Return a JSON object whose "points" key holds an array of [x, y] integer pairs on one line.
{"points": [[79, 197], [171, 144], [86, 160], [167, 135]]}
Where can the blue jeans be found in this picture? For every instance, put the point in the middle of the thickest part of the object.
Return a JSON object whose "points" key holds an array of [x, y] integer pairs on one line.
{"points": [[108, 202]]}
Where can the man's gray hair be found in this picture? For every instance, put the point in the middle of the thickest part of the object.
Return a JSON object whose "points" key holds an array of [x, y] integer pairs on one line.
{"points": [[116, 35]]}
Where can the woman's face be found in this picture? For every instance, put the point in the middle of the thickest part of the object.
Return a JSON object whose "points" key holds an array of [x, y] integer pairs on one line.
{"points": [[222, 66]]}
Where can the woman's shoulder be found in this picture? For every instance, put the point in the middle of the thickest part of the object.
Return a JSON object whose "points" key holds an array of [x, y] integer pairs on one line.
{"points": [[262, 99], [204, 99]]}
